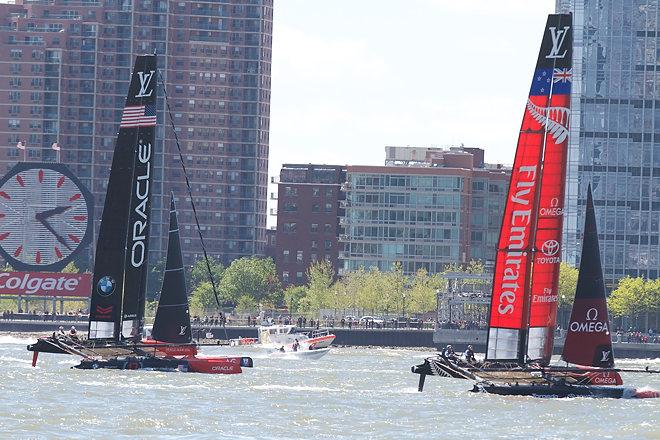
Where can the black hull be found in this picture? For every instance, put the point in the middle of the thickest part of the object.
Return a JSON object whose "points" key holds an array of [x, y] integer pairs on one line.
{"points": [[47, 345], [134, 363], [557, 391]]}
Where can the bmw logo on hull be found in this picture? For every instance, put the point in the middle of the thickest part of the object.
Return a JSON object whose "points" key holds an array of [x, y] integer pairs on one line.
{"points": [[106, 286]]}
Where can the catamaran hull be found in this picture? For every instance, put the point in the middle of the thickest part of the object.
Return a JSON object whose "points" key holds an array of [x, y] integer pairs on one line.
{"points": [[192, 364], [563, 391]]}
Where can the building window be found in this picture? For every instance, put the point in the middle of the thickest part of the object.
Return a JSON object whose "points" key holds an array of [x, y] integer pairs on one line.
{"points": [[299, 276], [313, 257], [316, 207], [290, 227], [14, 123], [315, 227], [329, 192], [291, 192], [285, 256], [327, 228], [299, 256], [328, 207], [16, 54], [315, 244], [285, 277], [328, 245], [290, 207], [316, 192]]}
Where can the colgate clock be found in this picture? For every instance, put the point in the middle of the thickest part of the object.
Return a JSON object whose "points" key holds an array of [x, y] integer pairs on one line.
{"points": [[45, 216]]}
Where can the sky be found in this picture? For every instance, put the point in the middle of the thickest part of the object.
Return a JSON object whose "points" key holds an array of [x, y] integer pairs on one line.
{"points": [[352, 76]]}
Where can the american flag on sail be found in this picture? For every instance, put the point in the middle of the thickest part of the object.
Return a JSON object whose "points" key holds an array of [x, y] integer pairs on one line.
{"points": [[138, 116]]}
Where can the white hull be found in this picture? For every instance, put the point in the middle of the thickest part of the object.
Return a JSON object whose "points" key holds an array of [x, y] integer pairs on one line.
{"points": [[301, 354]]}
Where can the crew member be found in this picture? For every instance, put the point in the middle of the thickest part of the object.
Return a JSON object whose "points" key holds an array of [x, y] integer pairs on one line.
{"points": [[448, 352], [295, 346], [73, 334], [60, 332], [469, 355]]}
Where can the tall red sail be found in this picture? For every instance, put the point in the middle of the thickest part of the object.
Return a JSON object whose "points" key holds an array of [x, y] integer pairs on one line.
{"points": [[552, 112], [588, 341], [540, 155]]}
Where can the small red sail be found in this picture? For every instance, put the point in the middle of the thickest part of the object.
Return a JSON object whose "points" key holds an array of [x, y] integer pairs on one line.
{"points": [[588, 341], [541, 149]]}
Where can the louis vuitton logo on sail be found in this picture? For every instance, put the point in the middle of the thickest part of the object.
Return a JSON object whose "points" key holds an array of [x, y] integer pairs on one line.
{"points": [[517, 238], [142, 193], [558, 36], [145, 80]]}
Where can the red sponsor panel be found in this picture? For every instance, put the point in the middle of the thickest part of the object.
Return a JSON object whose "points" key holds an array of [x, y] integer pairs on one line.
{"points": [[46, 284], [588, 341], [211, 365], [512, 261]]}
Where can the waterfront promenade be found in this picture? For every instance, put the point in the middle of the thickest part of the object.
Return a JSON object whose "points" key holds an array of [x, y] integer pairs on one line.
{"points": [[388, 337]]}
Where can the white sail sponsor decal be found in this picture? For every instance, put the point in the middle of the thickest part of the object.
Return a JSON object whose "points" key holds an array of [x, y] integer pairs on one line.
{"points": [[138, 248], [591, 324], [558, 36], [520, 221], [145, 80]]}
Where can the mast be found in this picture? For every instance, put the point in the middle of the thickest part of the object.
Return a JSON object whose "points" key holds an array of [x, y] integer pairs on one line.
{"points": [[172, 323], [588, 339], [544, 126], [120, 265]]}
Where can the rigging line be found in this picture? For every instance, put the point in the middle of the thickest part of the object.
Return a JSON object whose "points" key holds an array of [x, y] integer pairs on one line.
{"points": [[185, 174]]}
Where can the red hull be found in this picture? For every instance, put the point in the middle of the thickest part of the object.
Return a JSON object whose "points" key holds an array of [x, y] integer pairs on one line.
{"points": [[214, 365]]}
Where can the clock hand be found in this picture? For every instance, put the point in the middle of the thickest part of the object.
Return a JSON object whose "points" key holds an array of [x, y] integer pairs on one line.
{"points": [[52, 231], [51, 212]]}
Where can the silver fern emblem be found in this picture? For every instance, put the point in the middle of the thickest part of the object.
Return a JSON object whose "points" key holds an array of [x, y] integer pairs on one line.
{"points": [[553, 119]]}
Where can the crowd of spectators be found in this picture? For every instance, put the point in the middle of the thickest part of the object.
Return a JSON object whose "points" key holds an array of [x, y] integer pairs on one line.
{"points": [[20, 315]]}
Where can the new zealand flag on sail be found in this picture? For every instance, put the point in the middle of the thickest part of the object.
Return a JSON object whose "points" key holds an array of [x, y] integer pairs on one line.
{"points": [[559, 80]]}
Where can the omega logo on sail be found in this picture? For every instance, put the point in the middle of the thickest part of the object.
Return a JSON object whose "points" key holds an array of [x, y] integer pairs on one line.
{"points": [[519, 226], [553, 210], [590, 323], [138, 249]]}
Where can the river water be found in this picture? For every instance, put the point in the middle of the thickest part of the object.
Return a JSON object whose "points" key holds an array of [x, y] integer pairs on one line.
{"points": [[351, 393]]}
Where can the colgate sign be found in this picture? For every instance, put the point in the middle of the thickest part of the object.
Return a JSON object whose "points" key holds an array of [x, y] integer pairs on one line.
{"points": [[46, 284]]}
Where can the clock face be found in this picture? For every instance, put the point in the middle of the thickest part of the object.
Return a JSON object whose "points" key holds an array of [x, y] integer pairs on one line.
{"points": [[44, 216]]}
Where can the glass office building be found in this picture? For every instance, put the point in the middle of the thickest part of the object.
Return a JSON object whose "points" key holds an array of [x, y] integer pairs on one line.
{"points": [[424, 215], [615, 133]]}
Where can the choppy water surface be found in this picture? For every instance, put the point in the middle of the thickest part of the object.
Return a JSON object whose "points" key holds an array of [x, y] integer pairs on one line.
{"points": [[350, 393]]}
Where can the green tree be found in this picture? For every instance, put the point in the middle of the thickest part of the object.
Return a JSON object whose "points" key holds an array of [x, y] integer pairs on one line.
{"points": [[202, 298], [422, 293], [293, 295], [635, 298], [320, 276], [245, 304], [155, 280], [568, 277], [200, 273], [252, 276]]}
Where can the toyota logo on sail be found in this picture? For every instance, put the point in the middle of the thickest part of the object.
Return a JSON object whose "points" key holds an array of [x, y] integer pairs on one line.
{"points": [[550, 248]]}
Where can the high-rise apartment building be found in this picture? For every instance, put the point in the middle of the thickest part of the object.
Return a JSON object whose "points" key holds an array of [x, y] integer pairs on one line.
{"points": [[309, 204], [615, 133], [64, 72], [428, 208]]}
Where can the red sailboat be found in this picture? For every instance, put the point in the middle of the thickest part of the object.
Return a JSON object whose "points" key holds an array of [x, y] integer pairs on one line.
{"points": [[523, 308]]}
